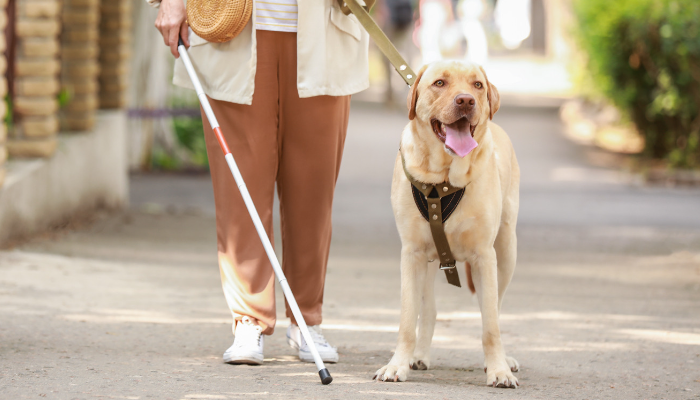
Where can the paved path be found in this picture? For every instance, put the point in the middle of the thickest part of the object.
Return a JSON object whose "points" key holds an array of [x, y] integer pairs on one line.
{"points": [[605, 303]]}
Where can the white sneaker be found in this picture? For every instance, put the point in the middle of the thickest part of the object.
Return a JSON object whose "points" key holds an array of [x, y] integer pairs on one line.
{"points": [[327, 352], [247, 347]]}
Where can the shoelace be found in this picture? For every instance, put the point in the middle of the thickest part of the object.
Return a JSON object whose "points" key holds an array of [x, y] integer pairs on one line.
{"points": [[250, 331], [318, 338]]}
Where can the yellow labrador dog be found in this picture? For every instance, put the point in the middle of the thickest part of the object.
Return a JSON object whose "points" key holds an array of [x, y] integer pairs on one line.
{"points": [[450, 138]]}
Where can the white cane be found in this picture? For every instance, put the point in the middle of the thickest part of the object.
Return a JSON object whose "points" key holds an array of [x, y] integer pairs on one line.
{"points": [[322, 371]]}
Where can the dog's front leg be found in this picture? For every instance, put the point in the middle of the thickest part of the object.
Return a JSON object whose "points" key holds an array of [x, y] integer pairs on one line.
{"points": [[498, 373], [426, 321], [413, 268]]}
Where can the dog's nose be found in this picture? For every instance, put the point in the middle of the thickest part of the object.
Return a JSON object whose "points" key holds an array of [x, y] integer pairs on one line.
{"points": [[465, 101]]}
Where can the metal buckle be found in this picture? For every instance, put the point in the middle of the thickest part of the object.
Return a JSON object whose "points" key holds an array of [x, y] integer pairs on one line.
{"points": [[447, 266]]}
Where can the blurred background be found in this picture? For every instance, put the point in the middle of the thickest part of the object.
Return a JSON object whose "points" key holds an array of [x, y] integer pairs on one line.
{"points": [[108, 259], [624, 74], [523, 44]]}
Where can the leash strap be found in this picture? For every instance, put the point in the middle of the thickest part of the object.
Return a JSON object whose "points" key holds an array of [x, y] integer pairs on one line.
{"points": [[380, 39], [437, 229]]}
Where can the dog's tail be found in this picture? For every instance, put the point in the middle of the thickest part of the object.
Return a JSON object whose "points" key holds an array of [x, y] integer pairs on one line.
{"points": [[470, 281]]}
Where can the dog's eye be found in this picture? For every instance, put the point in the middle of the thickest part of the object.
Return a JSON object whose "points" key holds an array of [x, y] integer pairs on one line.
{"points": [[439, 83], [478, 85]]}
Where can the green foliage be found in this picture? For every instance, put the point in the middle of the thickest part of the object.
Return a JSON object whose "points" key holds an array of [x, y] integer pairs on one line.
{"points": [[9, 122], [162, 160], [64, 97], [190, 134], [190, 151], [644, 55]]}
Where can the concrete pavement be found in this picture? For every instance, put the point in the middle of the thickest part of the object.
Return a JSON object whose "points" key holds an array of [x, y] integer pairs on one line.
{"points": [[605, 303]]}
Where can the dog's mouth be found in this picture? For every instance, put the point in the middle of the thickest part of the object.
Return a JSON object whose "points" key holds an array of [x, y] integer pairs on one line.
{"points": [[458, 136]]}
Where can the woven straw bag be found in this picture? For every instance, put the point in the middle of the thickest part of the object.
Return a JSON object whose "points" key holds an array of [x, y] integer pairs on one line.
{"points": [[218, 20]]}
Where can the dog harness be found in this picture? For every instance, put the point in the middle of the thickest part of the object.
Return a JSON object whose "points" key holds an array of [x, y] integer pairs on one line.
{"points": [[436, 202]]}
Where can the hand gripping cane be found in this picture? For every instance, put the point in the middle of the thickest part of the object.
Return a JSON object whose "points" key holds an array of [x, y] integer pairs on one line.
{"points": [[322, 371]]}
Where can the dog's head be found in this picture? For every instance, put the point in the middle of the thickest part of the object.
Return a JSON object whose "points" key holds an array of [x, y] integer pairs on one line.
{"points": [[454, 98]]}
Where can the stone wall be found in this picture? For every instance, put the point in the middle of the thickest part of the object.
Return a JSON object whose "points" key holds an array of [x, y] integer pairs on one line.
{"points": [[115, 46], [88, 171], [36, 80], [67, 58], [79, 57]]}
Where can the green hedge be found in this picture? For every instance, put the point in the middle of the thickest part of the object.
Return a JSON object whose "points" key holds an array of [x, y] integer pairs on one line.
{"points": [[190, 134], [644, 55]]}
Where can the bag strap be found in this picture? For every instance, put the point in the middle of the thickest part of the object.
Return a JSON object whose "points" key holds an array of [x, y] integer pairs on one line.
{"points": [[380, 39]]}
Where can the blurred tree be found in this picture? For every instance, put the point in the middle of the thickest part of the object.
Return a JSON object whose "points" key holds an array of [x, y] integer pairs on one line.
{"points": [[644, 55]]}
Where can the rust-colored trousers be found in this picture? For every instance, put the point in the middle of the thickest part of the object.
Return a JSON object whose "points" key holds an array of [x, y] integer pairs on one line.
{"points": [[297, 144]]}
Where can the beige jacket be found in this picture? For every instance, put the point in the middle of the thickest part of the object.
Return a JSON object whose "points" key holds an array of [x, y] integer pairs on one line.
{"points": [[332, 57]]}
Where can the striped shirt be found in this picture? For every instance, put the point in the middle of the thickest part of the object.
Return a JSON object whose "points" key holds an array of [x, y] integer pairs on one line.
{"points": [[276, 15]]}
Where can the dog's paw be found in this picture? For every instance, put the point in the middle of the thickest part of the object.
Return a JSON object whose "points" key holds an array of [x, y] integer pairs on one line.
{"points": [[501, 377], [392, 373], [513, 364], [420, 365]]}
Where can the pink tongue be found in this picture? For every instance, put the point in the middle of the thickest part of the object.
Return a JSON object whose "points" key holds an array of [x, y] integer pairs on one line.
{"points": [[461, 143]]}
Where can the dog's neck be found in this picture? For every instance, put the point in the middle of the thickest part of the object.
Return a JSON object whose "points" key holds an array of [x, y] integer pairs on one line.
{"points": [[427, 161]]}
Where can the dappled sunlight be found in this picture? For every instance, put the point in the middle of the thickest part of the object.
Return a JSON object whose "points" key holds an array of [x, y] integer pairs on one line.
{"points": [[282, 359], [125, 397], [12, 309], [460, 337], [457, 315], [143, 316], [559, 328], [544, 315], [369, 311], [656, 271], [570, 316], [446, 339], [299, 374], [663, 336], [463, 341], [336, 375], [581, 347], [387, 393], [359, 328]]}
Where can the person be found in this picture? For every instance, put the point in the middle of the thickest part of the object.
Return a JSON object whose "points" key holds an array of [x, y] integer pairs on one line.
{"points": [[281, 92], [435, 16], [470, 12], [513, 21]]}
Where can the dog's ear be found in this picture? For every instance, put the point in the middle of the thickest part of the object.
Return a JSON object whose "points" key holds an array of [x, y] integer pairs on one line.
{"points": [[413, 94], [492, 95]]}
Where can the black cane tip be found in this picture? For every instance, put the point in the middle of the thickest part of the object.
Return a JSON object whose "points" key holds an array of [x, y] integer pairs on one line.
{"points": [[326, 377]]}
